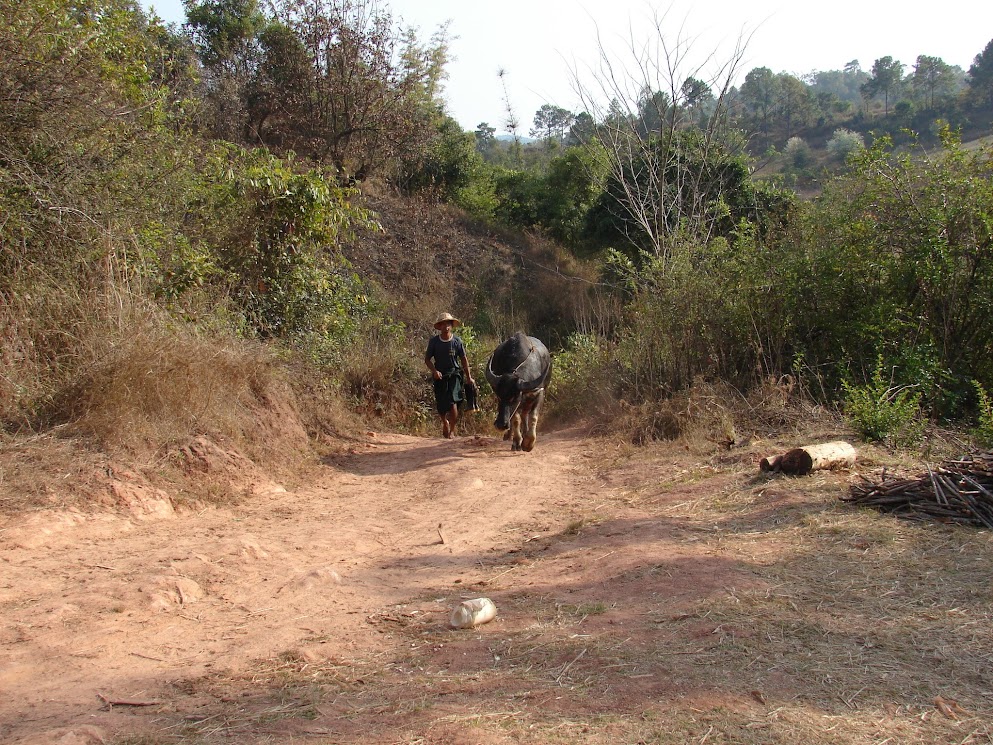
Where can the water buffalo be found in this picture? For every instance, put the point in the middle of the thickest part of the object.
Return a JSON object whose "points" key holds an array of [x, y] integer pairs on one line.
{"points": [[518, 371]]}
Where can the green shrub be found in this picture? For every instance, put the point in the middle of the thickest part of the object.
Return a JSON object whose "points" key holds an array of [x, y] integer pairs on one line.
{"points": [[884, 412], [984, 430], [275, 229], [449, 166], [897, 260], [578, 375], [844, 142], [478, 197]]}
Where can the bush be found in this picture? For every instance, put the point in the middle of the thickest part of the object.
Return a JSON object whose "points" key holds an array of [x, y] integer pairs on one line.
{"points": [[897, 261], [844, 142], [478, 197], [984, 430], [579, 376], [883, 412], [449, 165], [274, 229], [798, 154]]}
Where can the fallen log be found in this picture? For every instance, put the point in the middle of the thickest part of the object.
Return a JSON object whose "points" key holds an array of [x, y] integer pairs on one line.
{"points": [[801, 461]]}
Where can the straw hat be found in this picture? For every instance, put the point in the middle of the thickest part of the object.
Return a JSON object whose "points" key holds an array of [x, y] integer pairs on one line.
{"points": [[445, 318]]}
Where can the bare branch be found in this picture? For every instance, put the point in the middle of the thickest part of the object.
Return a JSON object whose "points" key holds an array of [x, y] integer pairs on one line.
{"points": [[638, 99]]}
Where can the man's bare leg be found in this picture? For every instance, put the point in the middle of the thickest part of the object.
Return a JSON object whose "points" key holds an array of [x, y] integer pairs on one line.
{"points": [[451, 419]]}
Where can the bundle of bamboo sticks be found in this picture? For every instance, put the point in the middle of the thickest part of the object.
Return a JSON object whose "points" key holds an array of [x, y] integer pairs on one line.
{"points": [[958, 491]]}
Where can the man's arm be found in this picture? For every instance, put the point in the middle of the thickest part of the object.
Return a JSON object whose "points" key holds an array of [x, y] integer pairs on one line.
{"points": [[429, 361]]}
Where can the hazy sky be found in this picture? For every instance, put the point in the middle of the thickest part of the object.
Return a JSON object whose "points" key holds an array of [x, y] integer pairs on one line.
{"points": [[539, 42]]}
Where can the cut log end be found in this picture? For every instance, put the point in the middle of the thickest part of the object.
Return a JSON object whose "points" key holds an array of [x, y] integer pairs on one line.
{"points": [[797, 462], [770, 464]]}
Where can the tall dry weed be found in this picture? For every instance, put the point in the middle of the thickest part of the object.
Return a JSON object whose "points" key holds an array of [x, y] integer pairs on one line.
{"points": [[379, 376], [714, 415], [105, 362]]}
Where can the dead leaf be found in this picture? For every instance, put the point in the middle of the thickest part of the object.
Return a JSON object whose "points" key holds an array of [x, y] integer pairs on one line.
{"points": [[948, 707]]}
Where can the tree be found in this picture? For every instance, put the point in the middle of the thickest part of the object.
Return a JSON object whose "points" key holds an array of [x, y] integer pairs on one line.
{"points": [[278, 96], [842, 85], [887, 75], [551, 123], [655, 197], [695, 92], [225, 36], [654, 108], [277, 244], [760, 92], [706, 191], [981, 76], [932, 78], [582, 131], [371, 91], [485, 136], [795, 104], [223, 31], [697, 97], [573, 183]]}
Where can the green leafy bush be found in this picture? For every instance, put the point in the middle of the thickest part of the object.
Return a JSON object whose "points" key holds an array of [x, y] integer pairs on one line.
{"points": [[275, 229], [579, 375], [447, 166], [883, 412], [898, 260], [984, 430], [844, 142]]}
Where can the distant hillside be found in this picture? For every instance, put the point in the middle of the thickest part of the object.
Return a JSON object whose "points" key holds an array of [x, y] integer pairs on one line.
{"points": [[510, 138], [802, 159]]}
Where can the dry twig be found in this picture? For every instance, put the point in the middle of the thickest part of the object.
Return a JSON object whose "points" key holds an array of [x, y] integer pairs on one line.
{"points": [[959, 491]]}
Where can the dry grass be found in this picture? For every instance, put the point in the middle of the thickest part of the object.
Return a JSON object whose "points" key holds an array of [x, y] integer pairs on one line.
{"points": [[48, 471], [715, 414], [104, 382], [107, 363], [161, 385], [380, 378], [867, 619]]}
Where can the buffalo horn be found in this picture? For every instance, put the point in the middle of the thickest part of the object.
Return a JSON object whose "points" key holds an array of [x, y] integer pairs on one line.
{"points": [[491, 377]]}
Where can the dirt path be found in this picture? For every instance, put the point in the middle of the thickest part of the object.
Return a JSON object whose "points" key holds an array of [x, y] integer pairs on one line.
{"points": [[644, 597], [108, 608]]}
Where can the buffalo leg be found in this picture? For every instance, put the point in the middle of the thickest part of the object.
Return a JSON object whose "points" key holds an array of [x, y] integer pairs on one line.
{"points": [[531, 424], [515, 431]]}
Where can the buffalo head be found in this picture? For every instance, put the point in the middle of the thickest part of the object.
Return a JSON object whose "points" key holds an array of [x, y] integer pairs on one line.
{"points": [[509, 390]]}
